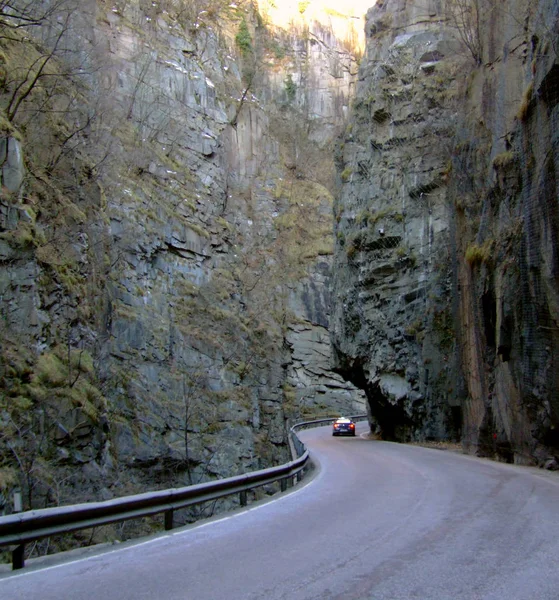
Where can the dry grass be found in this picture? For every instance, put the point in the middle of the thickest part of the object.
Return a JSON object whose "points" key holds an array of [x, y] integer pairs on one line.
{"points": [[503, 160], [524, 109], [477, 255]]}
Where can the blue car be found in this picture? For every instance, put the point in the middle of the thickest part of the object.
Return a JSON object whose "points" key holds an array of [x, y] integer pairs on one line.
{"points": [[343, 426]]}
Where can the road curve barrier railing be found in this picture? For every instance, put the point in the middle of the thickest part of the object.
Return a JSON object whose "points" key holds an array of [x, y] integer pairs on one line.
{"points": [[24, 527]]}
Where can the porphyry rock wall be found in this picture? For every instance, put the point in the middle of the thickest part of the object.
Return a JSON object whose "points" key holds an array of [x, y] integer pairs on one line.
{"points": [[445, 302], [165, 262]]}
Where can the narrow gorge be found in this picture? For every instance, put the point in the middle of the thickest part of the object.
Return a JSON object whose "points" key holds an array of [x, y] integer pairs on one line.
{"points": [[218, 218]]}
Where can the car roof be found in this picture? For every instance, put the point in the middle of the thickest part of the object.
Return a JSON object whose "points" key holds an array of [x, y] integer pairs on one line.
{"points": [[343, 420]]}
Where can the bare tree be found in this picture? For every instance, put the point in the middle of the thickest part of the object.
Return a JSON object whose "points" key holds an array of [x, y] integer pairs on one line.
{"points": [[17, 14], [468, 17]]}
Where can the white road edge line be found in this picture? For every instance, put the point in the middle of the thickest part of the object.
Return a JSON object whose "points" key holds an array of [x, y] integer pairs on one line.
{"points": [[160, 538]]}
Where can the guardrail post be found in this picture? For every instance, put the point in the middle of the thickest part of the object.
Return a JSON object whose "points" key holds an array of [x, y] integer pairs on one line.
{"points": [[243, 496], [168, 520], [18, 555], [283, 484]]}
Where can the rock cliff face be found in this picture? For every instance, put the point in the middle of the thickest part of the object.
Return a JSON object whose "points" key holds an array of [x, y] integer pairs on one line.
{"points": [[165, 241], [445, 293]]}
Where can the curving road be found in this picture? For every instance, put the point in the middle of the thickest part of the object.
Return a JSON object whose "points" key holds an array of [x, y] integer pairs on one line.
{"points": [[379, 521]]}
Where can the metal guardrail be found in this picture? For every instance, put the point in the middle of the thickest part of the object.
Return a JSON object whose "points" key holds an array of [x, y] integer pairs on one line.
{"points": [[25, 527]]}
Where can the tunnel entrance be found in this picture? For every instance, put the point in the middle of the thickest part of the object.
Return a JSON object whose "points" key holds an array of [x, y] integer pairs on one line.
{"points": [[392, 421], [408, 418], [389, 418]]}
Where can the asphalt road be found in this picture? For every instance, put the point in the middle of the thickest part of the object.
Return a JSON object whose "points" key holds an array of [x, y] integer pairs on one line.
{"points": [[379, 521]]}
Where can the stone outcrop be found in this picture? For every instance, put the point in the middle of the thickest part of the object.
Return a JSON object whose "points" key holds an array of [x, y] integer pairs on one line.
{"points": [[445, 305], [11, 159], [311, 384]]}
